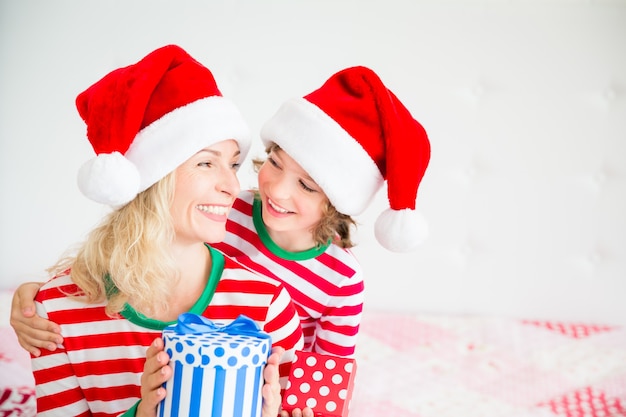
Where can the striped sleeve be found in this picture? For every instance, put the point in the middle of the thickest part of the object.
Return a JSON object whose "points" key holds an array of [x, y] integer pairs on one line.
{"points": [[283, 325], [57, 388], [96, 371], [337, 328]]}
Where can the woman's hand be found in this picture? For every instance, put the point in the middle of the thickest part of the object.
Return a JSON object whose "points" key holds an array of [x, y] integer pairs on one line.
{"points": [[271, 389], [33, 332], [155, 372], [296, 412]]}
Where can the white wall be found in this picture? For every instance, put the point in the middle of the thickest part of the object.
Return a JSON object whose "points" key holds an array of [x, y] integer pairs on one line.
{"points": [[524, 102]]}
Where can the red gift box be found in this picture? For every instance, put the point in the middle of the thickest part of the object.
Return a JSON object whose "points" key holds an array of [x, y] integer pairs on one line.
{"points": [[322, 382]]}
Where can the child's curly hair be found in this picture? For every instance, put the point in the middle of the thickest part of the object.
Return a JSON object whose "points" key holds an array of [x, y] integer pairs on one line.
{"points": [[333, 225]]}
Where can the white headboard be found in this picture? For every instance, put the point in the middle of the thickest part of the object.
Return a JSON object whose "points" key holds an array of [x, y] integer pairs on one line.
{"points": [[524, 103]]}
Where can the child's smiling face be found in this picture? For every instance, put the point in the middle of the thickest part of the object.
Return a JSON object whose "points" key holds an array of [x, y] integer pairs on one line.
{"points": [[292, 202]]}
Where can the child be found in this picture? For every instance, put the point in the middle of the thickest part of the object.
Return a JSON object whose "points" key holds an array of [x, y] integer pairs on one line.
{"points": [[329, 152], [168, 146]]}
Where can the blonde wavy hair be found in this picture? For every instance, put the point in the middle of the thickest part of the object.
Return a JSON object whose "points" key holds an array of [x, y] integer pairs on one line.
{"points": [[333, 225], [127, 258]]}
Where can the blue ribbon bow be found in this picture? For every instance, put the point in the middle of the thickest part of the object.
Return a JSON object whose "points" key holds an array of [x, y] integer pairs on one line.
{"points": [[189, 323]]}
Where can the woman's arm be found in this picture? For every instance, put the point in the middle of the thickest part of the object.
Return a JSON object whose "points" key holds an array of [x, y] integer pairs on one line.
{"points": [[283, 324], [59, 393], [33, 332]]}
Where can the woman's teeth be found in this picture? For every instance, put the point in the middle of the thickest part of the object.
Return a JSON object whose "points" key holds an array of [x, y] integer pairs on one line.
{"points": [[219, 210]]}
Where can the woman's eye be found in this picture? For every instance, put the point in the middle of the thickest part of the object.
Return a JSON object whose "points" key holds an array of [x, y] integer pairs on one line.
{"points": [[235, 166], [204, 164]]}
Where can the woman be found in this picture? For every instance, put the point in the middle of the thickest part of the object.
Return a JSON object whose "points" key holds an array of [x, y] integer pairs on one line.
{"points": [[168, 147]]}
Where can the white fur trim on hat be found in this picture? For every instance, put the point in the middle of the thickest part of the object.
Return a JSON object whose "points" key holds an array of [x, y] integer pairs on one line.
{"points": [[400, 230], [327, 153], [162, 146]]}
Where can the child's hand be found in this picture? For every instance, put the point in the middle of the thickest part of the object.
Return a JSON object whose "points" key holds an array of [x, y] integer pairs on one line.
{"points": [[155, 372], [33, 332]]}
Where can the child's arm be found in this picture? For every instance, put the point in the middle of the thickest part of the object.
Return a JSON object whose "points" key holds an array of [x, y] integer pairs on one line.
{"points": [[337, 329], [33, 332]]}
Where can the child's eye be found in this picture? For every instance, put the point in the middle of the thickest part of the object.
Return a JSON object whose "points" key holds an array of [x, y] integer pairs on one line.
{"points": [[273, 162], [306, 187], [235, 166]]}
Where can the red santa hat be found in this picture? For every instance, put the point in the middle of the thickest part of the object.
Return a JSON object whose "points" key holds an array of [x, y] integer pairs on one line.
{"points": [[146, 119], [351, 135]]}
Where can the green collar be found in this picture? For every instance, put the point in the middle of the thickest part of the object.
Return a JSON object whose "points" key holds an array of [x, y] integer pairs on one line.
{"points": [[217, 267], [257, 218]]}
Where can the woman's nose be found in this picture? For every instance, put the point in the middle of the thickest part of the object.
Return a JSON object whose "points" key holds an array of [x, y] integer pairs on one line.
{"points": [[229, 183]]}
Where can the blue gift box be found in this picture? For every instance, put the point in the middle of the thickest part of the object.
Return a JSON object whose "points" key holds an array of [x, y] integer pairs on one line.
{"points": [[218, 370]]}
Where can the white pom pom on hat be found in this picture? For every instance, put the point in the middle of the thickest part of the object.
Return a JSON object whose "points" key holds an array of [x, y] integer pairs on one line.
{"points": [[109, 179], [146, 119], [351, 135], [400, 230]]}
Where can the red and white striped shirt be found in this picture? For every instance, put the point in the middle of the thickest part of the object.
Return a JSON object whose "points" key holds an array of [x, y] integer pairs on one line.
{"points": [[326, 284], [97, 370]]}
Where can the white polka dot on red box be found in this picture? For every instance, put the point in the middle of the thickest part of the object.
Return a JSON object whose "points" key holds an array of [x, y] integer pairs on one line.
{"points": [[322, 382]]}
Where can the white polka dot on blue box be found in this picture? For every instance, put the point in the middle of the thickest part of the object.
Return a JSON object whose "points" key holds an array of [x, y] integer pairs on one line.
{"points": [[218, 370]]}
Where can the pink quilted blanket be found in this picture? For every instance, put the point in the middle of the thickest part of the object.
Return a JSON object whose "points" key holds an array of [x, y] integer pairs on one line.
{"points": [[17, 393], [418, 365]]}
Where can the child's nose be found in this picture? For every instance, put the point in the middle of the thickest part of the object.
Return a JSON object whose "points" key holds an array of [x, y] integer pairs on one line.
{"points": [[281, 187]]}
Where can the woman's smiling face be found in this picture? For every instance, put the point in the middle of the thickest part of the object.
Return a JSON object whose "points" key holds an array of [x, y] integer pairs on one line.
{"points": [[206, 187]]}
